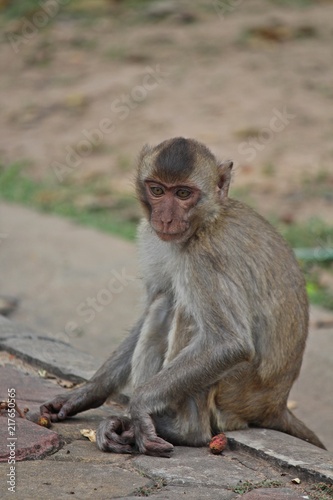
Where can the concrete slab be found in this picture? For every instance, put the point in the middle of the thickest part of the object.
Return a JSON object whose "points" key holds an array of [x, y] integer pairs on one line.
{"points": [[48, 353], [38, 479], [188, 493], [55, 357], [197, 466], [82, 450], [286, 451], [10, 329], [274, 494]]}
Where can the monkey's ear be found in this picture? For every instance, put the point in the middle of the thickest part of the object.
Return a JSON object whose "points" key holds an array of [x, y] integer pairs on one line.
{"points": [[146, 148], [224, 178]]}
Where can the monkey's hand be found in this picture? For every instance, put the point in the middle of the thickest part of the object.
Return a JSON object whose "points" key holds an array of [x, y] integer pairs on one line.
{"points": [[116, 434], [73, 402], [146, 438]]}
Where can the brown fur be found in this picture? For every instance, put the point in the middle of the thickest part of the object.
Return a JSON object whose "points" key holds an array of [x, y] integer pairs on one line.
{"points": [[223, 334]]}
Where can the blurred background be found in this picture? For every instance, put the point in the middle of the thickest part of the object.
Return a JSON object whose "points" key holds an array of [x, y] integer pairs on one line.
{"points": [[86, 83]]}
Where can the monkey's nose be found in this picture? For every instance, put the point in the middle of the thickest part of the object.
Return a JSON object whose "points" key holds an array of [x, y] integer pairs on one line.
{"points": [[166, 225]]}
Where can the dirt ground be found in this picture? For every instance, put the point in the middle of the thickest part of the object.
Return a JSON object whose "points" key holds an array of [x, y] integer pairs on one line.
{"points": [[253, 80]]}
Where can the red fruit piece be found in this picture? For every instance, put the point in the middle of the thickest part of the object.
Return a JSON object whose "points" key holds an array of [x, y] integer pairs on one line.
{"points": [[218, 443]]}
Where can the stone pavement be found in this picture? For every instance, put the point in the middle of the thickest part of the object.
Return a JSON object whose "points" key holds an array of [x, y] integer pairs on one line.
{"points": [[78, 291], [58, 462]]}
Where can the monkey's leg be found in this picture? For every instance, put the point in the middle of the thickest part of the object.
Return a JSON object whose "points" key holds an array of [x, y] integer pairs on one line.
{"points": [[243, 400], [189, 424], [150, 350]]}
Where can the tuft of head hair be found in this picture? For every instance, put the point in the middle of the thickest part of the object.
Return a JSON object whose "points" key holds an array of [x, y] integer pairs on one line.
{"points": [[177, 160]]}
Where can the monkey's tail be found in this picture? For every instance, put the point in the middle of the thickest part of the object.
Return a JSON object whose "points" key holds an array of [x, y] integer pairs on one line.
{"points": [[288, 423]]}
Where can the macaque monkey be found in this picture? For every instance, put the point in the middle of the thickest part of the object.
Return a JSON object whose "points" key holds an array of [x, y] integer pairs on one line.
{"points": [[223, 332]]}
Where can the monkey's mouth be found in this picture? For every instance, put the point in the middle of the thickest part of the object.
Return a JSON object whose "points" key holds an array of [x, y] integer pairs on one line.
{"points": [[170, 236]]}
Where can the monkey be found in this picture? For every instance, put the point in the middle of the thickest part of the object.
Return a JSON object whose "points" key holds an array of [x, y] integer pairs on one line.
{"points": [[222, 335]]}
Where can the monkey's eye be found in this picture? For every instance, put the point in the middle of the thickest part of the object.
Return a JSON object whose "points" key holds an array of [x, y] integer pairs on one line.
{"points": [[183, 194], [156, 190]]}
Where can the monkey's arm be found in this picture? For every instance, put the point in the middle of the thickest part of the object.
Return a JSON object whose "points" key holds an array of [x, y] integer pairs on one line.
{"points": [[109, 379]]}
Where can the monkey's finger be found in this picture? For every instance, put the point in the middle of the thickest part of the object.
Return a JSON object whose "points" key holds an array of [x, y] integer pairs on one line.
{"points": [[51, 409], [113, 447], [158, 448], [70, 408]]}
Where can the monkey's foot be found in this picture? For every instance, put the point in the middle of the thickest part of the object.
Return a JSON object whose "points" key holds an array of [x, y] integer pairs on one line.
{"points": [[116, 434]]}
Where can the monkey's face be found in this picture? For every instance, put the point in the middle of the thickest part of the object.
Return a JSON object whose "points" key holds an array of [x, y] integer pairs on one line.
{"points": [[170, 209], [181, 187]]}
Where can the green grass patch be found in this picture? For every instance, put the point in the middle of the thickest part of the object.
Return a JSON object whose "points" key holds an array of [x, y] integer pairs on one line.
{"points": [[246, 486], [311, 234], [120, 217], [17, 8], [314, 234], [318, 295], [321, 491], [293, 3]]}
